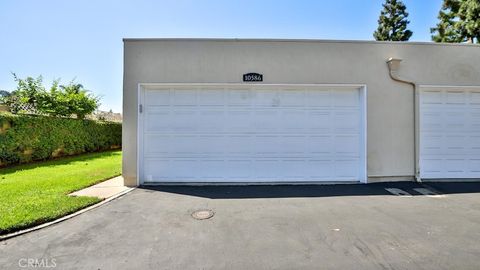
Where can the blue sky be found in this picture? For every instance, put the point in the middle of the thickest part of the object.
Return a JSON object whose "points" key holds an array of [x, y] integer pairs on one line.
{"points": [[83, 39]]}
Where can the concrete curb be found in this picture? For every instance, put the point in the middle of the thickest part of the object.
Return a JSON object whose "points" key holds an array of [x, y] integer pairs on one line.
{"points": [[79, 212]]}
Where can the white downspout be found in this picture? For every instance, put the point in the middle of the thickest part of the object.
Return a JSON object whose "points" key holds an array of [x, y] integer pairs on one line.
{"points": [[393, 66]]}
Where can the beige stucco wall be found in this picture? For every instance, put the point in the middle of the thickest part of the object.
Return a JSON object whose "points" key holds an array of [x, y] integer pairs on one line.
{"points": [[390, 117]]}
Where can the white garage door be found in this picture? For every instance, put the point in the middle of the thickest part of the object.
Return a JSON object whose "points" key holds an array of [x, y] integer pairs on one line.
{"points": [[252, 134], [449, 132]]}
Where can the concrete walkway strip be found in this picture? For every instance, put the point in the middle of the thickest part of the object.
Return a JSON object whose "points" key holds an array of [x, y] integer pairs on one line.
{"points": [[104, 189], [108, 188]]}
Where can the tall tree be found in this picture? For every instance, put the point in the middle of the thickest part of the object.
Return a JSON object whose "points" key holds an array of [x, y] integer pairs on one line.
{"points": [[447, 29], [392, 24], [459, 21], [469, 15]]}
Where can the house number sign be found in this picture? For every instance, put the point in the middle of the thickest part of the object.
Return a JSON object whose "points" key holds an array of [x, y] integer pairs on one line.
{"points": [[252, 77]]}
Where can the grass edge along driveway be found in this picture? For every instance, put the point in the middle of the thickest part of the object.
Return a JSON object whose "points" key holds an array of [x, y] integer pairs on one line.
{"points": [[36, 193]]}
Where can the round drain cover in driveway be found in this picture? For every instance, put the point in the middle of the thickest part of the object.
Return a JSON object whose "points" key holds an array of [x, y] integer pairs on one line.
{"points": [[202, 214]]}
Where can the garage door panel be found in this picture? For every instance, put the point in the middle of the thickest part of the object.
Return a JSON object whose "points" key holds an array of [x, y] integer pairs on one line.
{"points": [[449, 133], [238, 121], [181, 120], [293, 145], [158, 144], [431, 121], [293, 121], [267, 145], [190, 170], [264, 121], [346, 122], [321, 145], [293, 98], [158, 121], [455, 121], [239, 97], [170, 169], [209, 121], [474, 124], [266, 98], [157, 98], [211, 97], [432, 145], [319, 99], [455, 97], [294, 169], [320, 121], [475, 99], [432, 165], [346, 169], [431, 97], [346, 98], [212, 169], [255, 135], [455, 165], [474, 164], [184, 145], [346, 145], [239, 169], [184, 97], [184, 120], [271, 145], [239, 144], [322, 169], [474, 146], [455, 144], [267, 169]]}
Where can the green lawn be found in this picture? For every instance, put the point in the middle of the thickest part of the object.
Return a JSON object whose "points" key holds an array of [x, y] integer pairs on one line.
{"points": [[31, 194]]}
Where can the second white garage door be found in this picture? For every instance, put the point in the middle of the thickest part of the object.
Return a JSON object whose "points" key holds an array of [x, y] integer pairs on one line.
{"points": [[449, 132], [245, 133]]}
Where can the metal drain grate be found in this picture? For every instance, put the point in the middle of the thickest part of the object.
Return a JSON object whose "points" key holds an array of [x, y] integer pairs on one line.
{"points": [[428, 192], [398, 192], [202, 214]]}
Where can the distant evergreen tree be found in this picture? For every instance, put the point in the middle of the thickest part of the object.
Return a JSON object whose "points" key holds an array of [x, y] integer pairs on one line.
{"points": [[447, 29], [392, 24], [469, 20], [4, 93], [459, 21]]}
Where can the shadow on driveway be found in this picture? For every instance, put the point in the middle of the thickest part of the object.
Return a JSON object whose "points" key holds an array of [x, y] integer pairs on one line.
{"points": [[305, 191]]}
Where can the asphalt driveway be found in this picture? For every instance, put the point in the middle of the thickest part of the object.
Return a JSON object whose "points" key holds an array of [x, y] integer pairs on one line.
{"points": [[265, 227]]}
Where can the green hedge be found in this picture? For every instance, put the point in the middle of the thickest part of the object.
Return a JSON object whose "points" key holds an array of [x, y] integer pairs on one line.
{"points": [[25, 138]]}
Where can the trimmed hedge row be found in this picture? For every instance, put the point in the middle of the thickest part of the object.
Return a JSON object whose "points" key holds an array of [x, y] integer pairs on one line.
{"points": [[25, 138]]}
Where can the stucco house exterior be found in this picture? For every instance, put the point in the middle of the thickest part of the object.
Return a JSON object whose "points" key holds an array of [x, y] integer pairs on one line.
{"points": [[299, 111]]}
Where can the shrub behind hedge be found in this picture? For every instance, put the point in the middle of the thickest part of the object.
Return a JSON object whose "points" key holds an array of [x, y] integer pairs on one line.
{"points": [[25, 138]]}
